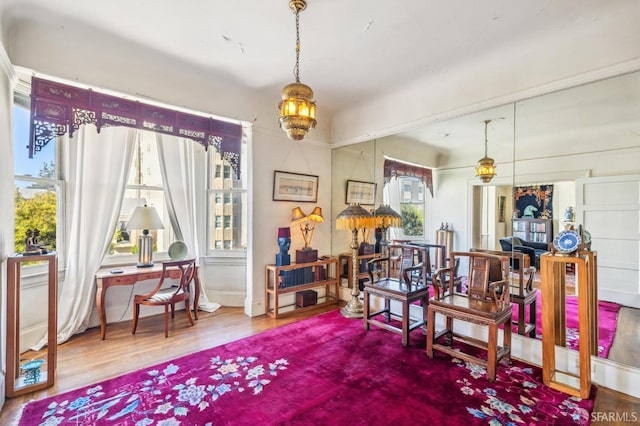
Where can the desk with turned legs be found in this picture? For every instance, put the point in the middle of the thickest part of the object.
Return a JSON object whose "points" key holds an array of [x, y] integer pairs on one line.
{"points": [[129, 276]]}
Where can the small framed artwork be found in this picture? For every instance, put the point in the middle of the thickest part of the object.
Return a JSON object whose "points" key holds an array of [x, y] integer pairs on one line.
{"points": [[295, 187], [361, 192], [501, 202]]}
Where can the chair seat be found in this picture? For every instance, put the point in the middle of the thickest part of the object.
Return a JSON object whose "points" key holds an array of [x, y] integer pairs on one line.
{"points": [[397, 287], [470, 305], [166, 294]]}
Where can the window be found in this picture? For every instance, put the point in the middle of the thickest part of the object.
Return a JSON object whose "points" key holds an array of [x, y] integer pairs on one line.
{"points": [[409, 193], [144, 186], [227, 203], [38, 189]]}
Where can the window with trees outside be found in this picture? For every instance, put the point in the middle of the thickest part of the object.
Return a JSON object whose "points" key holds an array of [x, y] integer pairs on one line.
{"points": [[38, 193], [406, 196]]}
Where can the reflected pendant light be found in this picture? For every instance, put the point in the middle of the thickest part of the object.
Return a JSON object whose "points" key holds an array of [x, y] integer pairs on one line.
{"points": [[297, 109], [486, 168]]}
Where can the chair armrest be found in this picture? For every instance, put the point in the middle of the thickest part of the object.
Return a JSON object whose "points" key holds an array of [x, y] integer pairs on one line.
{"points": [[499, 291], [406, 273], [440, 281], [531, 271], [372, 268]]}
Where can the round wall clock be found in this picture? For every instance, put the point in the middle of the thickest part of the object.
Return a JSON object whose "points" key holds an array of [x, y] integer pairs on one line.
{"points": [[567, 241]]}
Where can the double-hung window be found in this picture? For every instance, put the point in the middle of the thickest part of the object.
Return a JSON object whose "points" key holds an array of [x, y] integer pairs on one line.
{"points": [[144, 187], [228, 209], [406, 196], [38, 189]]}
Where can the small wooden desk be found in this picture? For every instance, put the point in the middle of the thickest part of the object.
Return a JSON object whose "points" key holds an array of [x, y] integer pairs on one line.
{"points": [[129, 276]]}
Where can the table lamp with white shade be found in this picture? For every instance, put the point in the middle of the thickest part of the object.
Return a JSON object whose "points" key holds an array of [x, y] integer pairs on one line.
{"points": [[145, 218]]}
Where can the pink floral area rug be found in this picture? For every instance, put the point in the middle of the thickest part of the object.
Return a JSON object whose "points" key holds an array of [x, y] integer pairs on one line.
{"points": [[607, 323], [326, 370]]}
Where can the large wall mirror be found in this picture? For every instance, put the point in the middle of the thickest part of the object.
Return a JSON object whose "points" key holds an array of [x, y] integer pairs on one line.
{"points": [[583, 143]]}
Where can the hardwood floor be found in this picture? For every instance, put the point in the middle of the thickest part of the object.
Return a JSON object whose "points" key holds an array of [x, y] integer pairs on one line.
{"points": [[86, 359]]}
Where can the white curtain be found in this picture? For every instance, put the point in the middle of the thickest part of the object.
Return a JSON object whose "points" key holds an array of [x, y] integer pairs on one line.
{"points": [[391, 196], [178, 163], [96, 170]]}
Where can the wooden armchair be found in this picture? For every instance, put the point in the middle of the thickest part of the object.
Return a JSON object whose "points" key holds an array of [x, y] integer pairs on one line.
{"points": [[408, 288], [521, 288], [484, 302], [168, 296]]}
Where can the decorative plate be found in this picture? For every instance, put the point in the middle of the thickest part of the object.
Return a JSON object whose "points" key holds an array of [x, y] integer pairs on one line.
{"points": [[567, 241], [177, 250]]}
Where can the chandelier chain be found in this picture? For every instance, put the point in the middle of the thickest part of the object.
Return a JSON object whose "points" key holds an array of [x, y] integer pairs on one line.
{"points": [[297, 67], [486, 123]]}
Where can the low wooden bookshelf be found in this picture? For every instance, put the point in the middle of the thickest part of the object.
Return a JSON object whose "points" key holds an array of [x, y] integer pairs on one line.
{"points": [[283, 282]]}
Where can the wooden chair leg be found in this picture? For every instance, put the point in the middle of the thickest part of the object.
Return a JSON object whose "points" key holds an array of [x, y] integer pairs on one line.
{"points": [[424, 303], [365, 309], [136, 312], [449, 328], [166, 321], [405, 323], [431, 330], [533, 319], [188, 309], [492, 351], [506, 341], [522, 322], [387, 307]]}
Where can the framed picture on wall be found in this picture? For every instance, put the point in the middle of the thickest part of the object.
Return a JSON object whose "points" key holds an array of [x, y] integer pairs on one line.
{"points": [[295, 187], [361, 192], [501, 202]]}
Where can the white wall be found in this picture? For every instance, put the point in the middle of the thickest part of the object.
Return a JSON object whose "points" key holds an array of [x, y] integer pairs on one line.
{"points": [[272, 150], [6, 199]]}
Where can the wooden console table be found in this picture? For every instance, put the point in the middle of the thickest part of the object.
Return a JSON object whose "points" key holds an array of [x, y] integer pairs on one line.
{"points": [[129, 276]]}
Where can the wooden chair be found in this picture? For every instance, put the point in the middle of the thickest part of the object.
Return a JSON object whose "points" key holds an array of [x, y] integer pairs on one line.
{"points": [[410, 287], [485, 303], [521, 291], [168, 296]]}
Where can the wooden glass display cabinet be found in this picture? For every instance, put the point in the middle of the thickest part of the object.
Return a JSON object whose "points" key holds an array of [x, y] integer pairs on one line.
{"points": [[29, 370], [286, 286]]}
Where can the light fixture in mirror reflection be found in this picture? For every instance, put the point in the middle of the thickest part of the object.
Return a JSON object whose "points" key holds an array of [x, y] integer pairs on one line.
{"points": [[581, 139], [486, 168], [354, 218]]}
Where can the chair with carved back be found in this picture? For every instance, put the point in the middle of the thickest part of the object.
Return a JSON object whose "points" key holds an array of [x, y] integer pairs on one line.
{"points": [[409, 287], [522, 292], [184, 271], [484, 302]]}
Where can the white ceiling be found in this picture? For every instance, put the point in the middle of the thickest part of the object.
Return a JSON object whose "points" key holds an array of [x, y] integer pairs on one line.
{"points": [[352, 51]]}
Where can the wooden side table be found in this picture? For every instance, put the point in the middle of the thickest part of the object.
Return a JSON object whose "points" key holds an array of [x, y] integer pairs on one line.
{"points": [[553, 269], [28, 375]]}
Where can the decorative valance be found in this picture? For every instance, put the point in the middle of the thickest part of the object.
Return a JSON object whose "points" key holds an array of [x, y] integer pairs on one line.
{"points": [[59, 108], [394, 168]]}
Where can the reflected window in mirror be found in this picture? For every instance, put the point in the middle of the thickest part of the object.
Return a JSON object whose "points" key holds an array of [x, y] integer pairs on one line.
{"points": [[406, 196]]}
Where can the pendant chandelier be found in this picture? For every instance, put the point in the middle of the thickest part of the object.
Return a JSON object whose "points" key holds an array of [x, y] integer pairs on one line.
{"points": [[297, 109], [486, 168]]}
